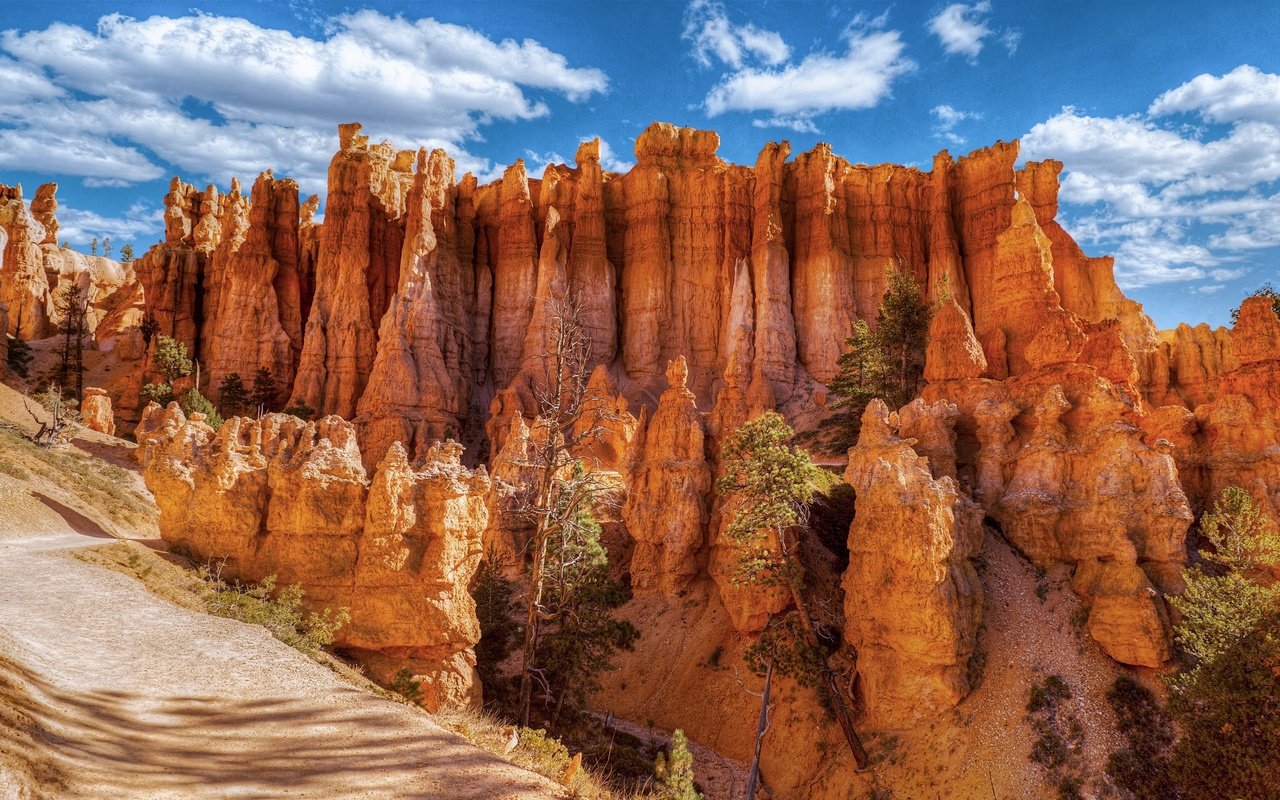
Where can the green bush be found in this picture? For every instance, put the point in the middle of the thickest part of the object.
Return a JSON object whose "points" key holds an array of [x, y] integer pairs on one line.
{"points": [[192, 402], [1142, 765], [277, 610]]}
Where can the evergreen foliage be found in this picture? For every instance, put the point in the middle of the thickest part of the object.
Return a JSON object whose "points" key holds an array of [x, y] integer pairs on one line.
{"points": [[674, 771], [772, 482], [496, 611], [234, 395], [19, 357], [1224, 601], [1265, 290], [263, 394], [192, 402], [72, 305], [126, 253], [170, 359], [300, 409], [579, 595], [1227, 703], [888, 362]]}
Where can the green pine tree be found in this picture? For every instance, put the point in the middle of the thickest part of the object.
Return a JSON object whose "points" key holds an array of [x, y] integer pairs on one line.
{"points": [[1227, 702], [1225, 599], [192, 402], [888, 362], [263, 394], [169, 358], [770, 483], [19, 357], [580, 593], [126, 253], [902, 329], [674, 772], [234, 395]]}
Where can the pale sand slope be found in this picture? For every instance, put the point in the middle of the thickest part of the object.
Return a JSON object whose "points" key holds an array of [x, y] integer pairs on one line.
{"points": [[108, 691]]}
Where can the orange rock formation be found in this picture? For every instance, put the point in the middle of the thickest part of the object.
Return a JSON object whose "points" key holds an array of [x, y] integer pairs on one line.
{"points": [[278, 496]]}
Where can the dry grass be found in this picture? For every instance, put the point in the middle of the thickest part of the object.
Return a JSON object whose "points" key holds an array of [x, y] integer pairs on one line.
{"points": [[534, 750], [111, 489]]}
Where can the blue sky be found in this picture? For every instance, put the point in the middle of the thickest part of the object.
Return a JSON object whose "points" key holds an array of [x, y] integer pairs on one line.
{"points": [[1167, 115]]}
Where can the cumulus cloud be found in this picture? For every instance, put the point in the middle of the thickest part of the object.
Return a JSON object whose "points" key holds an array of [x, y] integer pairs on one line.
{"points": [[712, 36], [140, 222], [795, 92], [963, 30], [1244, 93], [217, 96], [1149, 178], [535, 163], [947, 118]]}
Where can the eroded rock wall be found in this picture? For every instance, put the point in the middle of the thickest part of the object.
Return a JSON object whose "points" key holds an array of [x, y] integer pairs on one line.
{"points": [[279, 496]]}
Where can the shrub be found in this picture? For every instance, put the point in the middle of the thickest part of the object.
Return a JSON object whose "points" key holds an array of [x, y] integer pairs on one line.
{"points": [[192, 402], [277, 610], [301, 410], [19, 358], [1142, 765]]}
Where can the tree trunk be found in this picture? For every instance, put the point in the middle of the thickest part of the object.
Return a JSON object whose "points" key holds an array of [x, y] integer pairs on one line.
{"points": [[761, 727], [535, 595], [838, 705]]}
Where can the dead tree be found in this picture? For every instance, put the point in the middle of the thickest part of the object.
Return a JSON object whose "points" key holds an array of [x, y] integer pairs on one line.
{"points": [[61, 417], [569, 418]]}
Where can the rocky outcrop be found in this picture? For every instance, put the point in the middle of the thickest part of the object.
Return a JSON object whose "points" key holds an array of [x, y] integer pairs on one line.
{"points": [[669, 483], [95, 411], [257, 320], [357, 271], [1054, 459], [913, 601], [279, 496]]}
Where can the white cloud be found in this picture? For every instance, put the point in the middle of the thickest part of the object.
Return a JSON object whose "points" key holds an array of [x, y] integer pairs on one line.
{"points": [[962, 30], [948, 118], [859, 78], [1244, 93], [217, 96], [799, 123], [1210, 288], [1172, 201], [708, 29], [139, 224], [535, 163]]}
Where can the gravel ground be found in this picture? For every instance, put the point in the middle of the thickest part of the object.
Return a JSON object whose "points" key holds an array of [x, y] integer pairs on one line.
{"points": [[108, 691]]}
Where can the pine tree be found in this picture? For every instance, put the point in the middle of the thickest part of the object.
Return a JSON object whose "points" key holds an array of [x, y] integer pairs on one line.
{"points": [[1265, 290], [263, 395], [234, 395], [902, 329], [169, 358], [888, 362], [770, 483], [72, 306], [192, 402], [299, 409], [93, 246], [19, 357], [126, 253], [106, 246], [674, 772], [1226, 601], [579, 595], [863, 371]]}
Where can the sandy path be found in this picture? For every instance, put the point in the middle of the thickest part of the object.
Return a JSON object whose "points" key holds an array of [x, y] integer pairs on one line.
{"points": [[126, 696]]}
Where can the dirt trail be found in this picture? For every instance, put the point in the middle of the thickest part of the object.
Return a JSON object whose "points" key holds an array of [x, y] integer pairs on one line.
{"points": [[108, 691]]}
